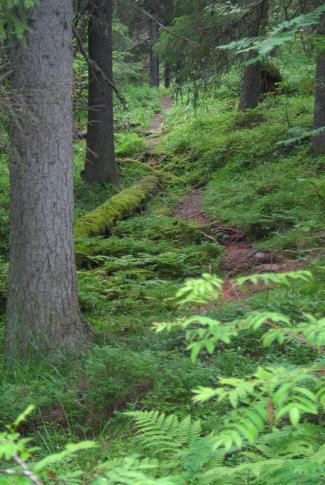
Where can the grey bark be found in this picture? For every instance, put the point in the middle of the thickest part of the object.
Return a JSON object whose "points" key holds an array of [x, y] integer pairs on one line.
{"points": [[319, 111], [43, 311], [252, 83], [154, 36], [100, 164]]}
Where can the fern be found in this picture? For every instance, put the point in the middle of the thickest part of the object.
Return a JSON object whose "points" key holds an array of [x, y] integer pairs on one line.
{"points": [[266, 402], [266, 431], [282, 33], [161, 433]]}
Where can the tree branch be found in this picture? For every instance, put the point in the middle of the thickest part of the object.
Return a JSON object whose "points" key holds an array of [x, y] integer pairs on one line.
{"points": [[25, 471], [97, 69], [162, 26]]}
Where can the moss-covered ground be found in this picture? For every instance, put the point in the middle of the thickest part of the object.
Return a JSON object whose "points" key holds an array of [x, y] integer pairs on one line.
{"points": [[252, 177]]}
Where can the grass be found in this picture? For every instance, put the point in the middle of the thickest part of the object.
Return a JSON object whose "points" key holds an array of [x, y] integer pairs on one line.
{"points": [[274, 192]]}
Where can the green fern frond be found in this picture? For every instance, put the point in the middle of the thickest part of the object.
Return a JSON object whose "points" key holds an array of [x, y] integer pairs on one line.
{"points": [[161, 433], [268, 278]]}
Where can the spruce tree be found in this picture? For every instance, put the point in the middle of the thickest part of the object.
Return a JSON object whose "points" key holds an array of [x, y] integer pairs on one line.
{"points": [[43, 311], [100, 164]]}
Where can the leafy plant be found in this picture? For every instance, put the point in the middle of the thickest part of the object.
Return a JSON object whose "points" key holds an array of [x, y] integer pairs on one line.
{"points": [[267, 426], [12, 17], [20, 456], [282, 33]]}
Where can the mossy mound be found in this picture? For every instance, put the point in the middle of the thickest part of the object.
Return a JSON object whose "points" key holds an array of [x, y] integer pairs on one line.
{"points": [[101, 220], [142, 235], [145, 168], [271, 77]]}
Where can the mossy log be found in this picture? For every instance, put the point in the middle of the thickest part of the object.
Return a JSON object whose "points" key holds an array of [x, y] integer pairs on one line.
{"points": [[101, 220]]}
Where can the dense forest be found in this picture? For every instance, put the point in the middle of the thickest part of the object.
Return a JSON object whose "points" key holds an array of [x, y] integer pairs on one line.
{"points": [[162, 271]]}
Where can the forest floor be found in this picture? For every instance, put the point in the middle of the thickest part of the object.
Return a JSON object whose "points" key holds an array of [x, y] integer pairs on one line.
{"points": [[240, 255], [230, 203]]}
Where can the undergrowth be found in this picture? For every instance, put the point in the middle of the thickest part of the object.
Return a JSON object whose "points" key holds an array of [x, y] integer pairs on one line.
{"points": [[274, 192]]}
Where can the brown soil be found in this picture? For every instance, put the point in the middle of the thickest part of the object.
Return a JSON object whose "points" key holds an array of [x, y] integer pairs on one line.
{"points": [[190, 208], [240, 256], [166, 104], [155, 129]]}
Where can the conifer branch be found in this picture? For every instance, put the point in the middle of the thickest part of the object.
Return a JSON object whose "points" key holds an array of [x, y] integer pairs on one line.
{"points": [[162, 26]]}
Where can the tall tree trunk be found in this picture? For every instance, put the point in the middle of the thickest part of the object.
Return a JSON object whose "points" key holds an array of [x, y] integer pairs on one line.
{"points": [[154, 36], [43, 310], [100, 165], [319, 113], [252, 83], [167, 76]]}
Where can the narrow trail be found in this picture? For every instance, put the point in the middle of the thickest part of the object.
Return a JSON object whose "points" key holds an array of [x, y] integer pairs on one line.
{"points": [[154, 133], [239, 253], [240, 256]]}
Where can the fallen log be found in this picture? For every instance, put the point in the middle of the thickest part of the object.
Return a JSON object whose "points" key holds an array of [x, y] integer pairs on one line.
{"points": [[101, 220]]}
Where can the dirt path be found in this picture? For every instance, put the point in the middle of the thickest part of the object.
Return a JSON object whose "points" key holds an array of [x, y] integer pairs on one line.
{"points": [[166, 104], [239, 253], [240, 256], [153, 135]]}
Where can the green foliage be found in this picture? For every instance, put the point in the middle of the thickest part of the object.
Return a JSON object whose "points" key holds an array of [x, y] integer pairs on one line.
{"points": [[143, 103], [284, 32], [175, 450], [17, 450], [12, 17], [129, 144], [112, 381], [3, 282], [272, 191], [263, 405], [255, 362]]}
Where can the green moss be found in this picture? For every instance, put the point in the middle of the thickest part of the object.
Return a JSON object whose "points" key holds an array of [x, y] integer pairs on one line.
{"points": [[129, 144], [145, 168], [271, 71], [102, 219]]}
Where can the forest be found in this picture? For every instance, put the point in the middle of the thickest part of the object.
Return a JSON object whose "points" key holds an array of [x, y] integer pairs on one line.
{"points": [[162, 264]]}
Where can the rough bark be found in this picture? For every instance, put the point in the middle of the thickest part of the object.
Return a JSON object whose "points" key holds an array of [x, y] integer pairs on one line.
{"points": [[252, 83], [154, 36], [43, 311], [319, 111], [251, 87], [100, 164]]}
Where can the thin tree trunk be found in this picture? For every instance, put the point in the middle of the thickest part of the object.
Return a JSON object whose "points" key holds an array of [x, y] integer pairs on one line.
{"points": [[154, 36], [252, 83], [319, 112], [167, 76], [43, 310], [100, 165]]}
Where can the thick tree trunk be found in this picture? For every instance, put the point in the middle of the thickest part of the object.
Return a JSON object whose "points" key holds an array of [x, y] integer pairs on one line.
{"points": [[252, 83], [43, 310], [154, 36], [251, 87], [100, 165], [319, 113]]}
